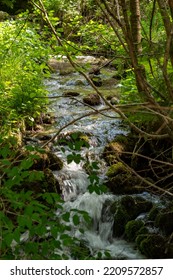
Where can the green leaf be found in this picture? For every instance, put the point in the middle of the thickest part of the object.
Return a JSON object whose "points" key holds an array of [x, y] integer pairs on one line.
{"points": [[76, 220], [74, 157], [8, 238], [26, 164], [5, 151], [17, 235], [95, 165], [66, 217]]}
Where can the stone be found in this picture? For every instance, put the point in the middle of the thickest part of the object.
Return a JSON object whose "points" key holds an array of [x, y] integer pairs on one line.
{"points": [[112, 150], [47, 160], [71, 93], [152, 245], [115, 169], [132, 228], [92, 99]]}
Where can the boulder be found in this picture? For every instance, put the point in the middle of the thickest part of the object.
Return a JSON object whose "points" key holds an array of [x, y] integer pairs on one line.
{"points": [[47, 160], [132, 228], [61, 66], [152, 245], [92, 99], [127, 209]]}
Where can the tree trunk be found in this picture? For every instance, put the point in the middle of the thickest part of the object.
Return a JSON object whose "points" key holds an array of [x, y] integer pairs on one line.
{"points": [[163, 6], [136, 25]]}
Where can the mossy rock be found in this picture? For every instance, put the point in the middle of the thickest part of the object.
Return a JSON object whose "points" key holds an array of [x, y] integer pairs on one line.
{"points": [[124, 183], [143, 230], [142, 205], [47, 160], [120, 220], [128, 204], [128, 209], [164, 221], [111, 151], [140, 238], [135, 205], [115, 169], [55, 163], [46, 183], [152, 245], [50, 183], [92, 99], [155, 210], [132, 228]]}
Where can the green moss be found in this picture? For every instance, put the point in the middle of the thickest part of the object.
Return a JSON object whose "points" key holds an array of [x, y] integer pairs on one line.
{"points": [[153, 246], [132, 228], [120, 219], [121, 139], [153, 213], [115, 169], [142, 205], [143, 230], [140, 238]]}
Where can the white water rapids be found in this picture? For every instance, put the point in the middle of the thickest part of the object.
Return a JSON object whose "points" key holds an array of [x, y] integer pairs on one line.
{"points": [[73, 178]]}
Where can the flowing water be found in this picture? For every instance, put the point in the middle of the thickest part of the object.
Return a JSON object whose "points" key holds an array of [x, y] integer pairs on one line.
{"points": [[74, 179]]}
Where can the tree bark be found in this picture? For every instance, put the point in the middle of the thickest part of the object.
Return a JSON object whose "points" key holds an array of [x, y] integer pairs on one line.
{"points": [[163, 6], [135, 19]]}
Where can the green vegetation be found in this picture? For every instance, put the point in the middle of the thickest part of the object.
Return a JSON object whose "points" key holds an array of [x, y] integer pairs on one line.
{"points": [[137, 45]]}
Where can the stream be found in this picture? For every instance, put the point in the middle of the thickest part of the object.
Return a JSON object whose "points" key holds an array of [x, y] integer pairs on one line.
{"points": [[73, 177]]}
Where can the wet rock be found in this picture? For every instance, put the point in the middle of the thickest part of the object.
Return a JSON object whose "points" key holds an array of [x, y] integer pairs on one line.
{"points": [[71, 93], [152, 245], [92, 99], [132, 228], [126, 209]]}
